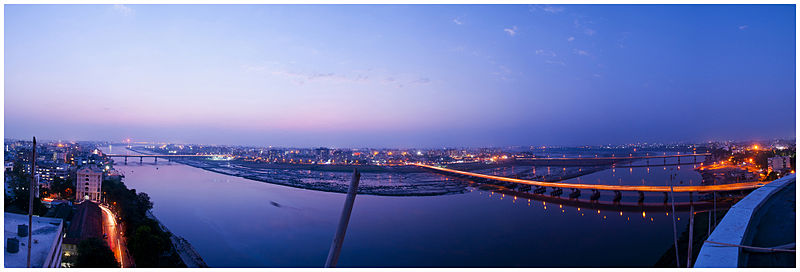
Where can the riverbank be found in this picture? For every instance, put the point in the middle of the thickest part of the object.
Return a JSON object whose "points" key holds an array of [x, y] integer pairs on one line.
{"points": [[403, 184], [181, 246], [404, 180], [373, 180], [234, 222]]}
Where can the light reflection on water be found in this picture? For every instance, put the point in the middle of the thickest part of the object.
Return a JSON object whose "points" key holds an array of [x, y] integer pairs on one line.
{"points": [[232, 223]]}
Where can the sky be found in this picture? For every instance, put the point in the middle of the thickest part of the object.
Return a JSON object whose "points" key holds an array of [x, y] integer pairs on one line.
{"points": [[400, 75]]}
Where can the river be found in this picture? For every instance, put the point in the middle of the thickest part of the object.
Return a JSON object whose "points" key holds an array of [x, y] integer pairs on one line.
{"points": [[236, 222]]}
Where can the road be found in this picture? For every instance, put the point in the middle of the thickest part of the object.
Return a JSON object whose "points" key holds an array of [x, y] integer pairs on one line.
{"points": [[115, 239], [616, 158], [637, 188]]}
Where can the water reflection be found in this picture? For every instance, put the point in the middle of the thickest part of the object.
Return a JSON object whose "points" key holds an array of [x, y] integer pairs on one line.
{"points": [[233, 222]]}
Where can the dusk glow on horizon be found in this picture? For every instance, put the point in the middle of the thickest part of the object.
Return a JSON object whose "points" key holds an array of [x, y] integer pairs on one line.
{"points": [[400, 75]]}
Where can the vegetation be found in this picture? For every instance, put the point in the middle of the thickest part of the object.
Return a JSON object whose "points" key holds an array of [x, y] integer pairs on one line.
{"points": [[759, 158], [149, 245], [63, 188], [17, 201], [771, 176], [94, 252]]}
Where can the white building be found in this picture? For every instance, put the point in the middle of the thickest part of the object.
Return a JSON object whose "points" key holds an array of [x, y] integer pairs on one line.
{"points": [[47, 237], [779, 163], [88, 184], [49, 171]]}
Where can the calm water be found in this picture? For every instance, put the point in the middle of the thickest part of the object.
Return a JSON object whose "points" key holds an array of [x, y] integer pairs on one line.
{"points": [[232, 222]]}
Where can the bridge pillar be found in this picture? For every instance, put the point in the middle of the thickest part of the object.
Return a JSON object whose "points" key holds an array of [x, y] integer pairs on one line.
{"points": [[595, 194], [575, 193], [126, 160], [641, 197], [141, 159], [679, 160], [691, 231], [156, 160]]}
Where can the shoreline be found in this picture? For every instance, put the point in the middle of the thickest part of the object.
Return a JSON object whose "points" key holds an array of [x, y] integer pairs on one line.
{"points": [[185, 250], [249, 170], [401, 190], [331, 187]]}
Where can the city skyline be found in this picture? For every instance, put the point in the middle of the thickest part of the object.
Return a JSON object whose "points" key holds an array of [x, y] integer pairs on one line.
{"points": [[400, 76], [132, 142]]}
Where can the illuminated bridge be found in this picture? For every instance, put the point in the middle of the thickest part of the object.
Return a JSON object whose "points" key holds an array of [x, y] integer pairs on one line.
{"points": [[162, 155], [168, 156], [597, 187], [620, 158], [606, 160]]}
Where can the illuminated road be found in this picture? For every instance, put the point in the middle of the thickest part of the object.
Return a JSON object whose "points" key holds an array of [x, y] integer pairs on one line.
{"points": [[636, 188], [115, 240], [616, 158]]}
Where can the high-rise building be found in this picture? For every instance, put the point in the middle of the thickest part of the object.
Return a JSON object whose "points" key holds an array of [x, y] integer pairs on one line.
{"points": [[88, 183], [779, 163], [48, 171]]}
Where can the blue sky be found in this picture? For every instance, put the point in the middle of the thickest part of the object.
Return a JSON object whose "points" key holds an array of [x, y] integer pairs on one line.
{"points": [[400, 75]]}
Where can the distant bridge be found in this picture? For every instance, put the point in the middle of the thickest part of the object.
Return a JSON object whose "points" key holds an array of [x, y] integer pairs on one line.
{"points": [[162, 155], [596, 187], [168, 156]]}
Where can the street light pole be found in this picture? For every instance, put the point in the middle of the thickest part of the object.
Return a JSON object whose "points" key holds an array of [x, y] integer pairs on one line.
{"points": [[30, 200], [674, 227], [344, 219], [691, 231]]}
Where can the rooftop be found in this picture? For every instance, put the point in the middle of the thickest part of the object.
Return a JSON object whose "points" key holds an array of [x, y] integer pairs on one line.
{"points": [[773, 225], [90, 169], [764, 218], [46, 232], [86, 223]]}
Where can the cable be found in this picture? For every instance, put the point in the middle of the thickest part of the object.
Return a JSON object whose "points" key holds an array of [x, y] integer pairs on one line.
{"points": [[758, 249]]}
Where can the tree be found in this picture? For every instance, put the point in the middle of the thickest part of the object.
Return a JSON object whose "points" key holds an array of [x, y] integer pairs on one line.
{"points": [[65, 188], [146, 241], [771, 176], [94, 252], [20, 185], [146, 246], [144, 202]]}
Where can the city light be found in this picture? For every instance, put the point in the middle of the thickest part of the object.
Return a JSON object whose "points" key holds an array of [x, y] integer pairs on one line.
{"points": [[261, 129]]}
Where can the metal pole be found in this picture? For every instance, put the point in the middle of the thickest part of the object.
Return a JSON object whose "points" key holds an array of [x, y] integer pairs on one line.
{"points": [[674, 228], [338, 239], [709, 224], [30, 200], [691, 231], [715, 205]]}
